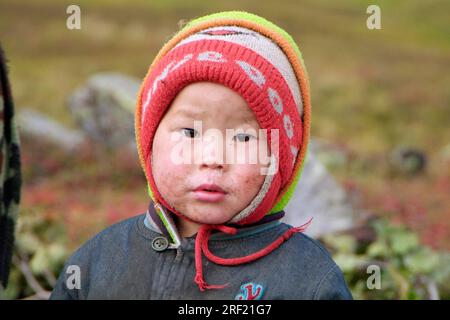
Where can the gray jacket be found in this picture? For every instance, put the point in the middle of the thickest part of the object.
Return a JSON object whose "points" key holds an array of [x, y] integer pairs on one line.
{"points": [[131, 260]]}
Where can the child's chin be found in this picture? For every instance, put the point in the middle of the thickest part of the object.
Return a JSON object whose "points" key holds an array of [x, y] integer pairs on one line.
{"points": [[212, 217]]}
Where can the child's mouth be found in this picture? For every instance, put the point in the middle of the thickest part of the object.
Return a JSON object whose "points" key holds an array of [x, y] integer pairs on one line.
{"points": [[209, 193]]}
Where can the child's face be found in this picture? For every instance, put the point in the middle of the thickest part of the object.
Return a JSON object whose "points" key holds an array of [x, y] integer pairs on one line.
{"points": [[218, 108]]}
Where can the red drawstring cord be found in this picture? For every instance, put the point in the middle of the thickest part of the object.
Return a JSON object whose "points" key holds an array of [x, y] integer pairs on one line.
{"points": [[201, 245], [202, 237]]}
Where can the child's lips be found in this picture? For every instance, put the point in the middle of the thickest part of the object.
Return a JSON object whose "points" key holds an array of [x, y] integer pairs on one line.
{"points": [[209, 193]]}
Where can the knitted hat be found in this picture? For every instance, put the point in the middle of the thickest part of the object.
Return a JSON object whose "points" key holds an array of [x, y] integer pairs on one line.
{"points": [[262, 63]]}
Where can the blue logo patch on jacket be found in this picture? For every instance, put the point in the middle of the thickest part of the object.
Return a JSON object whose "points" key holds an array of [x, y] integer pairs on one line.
{"points": [[250, 291]]}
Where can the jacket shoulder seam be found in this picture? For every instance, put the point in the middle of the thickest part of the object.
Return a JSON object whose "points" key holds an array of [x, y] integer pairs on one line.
{"points": [[322, 280]]}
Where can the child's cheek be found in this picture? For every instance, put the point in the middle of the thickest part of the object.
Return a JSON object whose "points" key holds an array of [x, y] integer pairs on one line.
{"points": [[171, 181], [248, 177], [169, 176]]}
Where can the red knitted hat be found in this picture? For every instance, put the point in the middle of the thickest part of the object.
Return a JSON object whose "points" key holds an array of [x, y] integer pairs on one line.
{"points": [[259, 61]]}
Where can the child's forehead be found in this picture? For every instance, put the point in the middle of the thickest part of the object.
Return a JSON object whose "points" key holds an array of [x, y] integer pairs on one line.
{"points": [[209, 95], [214, 105], [210, 90], [244, 114]]}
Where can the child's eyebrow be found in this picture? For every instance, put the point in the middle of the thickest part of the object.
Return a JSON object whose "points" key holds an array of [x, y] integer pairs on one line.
{"points": [[249, 119], [194, 114], [189, 113]]}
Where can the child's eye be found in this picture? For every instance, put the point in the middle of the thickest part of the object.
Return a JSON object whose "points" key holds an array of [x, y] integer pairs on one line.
{"points": [[243, 137], [189, 132]]}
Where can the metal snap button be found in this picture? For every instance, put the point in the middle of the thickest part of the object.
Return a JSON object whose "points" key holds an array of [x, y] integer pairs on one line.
{"points": [[160, 244]]}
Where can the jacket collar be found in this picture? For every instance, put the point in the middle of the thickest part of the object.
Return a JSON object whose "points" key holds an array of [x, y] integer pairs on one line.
{"points": [[159, 219]]}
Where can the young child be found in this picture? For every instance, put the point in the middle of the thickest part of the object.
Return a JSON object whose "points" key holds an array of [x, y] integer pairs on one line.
{"points": [[226, 87]]}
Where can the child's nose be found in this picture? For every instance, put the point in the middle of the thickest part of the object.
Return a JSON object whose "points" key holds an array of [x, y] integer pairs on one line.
{"points": [[212, 158], [212, 164], [212, 154]]}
